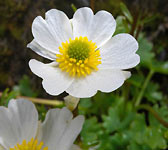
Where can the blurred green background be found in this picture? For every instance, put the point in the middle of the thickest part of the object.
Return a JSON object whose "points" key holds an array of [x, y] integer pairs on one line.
{"points": [[134, 117]]}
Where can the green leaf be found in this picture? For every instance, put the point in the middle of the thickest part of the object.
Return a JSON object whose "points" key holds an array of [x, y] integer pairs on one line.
{"points": [[134, 146], [112, 121], [118, 118], [154, 138], [91, 129], [136, 80], [122, 25], [147, 56], [145, 51], [6, 96], [162, 112], [126, 12], [160, 67], [137, 128], [25, 87], [84, 106], [152, 92]]}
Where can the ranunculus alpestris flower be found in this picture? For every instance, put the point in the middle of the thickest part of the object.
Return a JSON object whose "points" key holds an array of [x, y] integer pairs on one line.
{"points": [[85, 56], [20, 129]]}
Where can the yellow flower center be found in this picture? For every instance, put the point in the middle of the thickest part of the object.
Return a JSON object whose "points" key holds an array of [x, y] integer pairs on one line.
{"points": [[31, 145], [78, 57]]}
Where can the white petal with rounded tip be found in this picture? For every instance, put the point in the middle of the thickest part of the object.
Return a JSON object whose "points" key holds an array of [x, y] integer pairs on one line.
{"points": [[54, 80], [119, 52], [18, 122], [81, 21], [59, 24], [51, 32], [41, 51], [99, 27], [59, 130], [73, 129], [105, 80], [54, 125]]}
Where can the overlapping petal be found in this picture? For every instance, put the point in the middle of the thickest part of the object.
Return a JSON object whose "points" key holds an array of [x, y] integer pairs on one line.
{"points": [[105, 80], [41, 51], [120, 52], [49, 33], [54, 81], [59, 130], [99, 27]]}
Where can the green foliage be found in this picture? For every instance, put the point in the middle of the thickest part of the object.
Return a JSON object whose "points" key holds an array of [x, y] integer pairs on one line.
{"points": [[6, 96], [122, 25], [25, 87], [148, 57], [152, 93], [145, 50], [126, 12], [122, 128]]}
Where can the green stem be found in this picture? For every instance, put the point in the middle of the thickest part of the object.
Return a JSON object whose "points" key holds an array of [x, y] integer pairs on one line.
{"points": [[138, 32], [139, 98], [134, 24], [44, 101], [154, 113]]}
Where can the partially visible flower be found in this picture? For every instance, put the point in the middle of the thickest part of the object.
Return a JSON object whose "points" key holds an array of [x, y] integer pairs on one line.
{"points": [[20, 130], [85, 56], [71, 102]]}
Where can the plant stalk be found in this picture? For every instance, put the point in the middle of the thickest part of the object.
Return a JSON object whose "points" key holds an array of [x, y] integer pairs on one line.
{"points": [[43, 101], [140, 96], [154, 113], [92, 4]]}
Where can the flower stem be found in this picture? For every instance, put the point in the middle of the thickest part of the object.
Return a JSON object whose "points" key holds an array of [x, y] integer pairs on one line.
{"points": [[154, 113], [43, 101], [92, 4], [134, 24], [139, 98]]}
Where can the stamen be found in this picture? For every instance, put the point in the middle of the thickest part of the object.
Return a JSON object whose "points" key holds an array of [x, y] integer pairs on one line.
{"points": [[31, 145], [78, 57]]}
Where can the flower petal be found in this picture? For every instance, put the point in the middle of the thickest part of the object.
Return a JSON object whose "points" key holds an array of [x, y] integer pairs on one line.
{"points": [[60, 130], [41, 51], [105, 80], [119, 52], [99, 27], [72, 131], [17, 122], [54, 80], [75, 147], [52, 31]]}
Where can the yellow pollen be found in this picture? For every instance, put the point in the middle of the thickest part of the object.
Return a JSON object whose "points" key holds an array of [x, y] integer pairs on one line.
{"points": [[78, 57], [31, 145]]}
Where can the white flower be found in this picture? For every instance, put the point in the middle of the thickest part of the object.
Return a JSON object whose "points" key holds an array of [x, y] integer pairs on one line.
{"points": [[19, 129], [85, 56]]}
